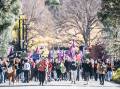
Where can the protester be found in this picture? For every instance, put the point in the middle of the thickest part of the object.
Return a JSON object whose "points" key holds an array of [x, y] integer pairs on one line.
{"points": [[109, 71], [58, 72], [27, 68], [73, 68], [67, 66], [41, 69], [49, 70], [54, 73], [33, 70], [95, 70], [102, 72], [63, 70], [1, 72], [86, 70]]}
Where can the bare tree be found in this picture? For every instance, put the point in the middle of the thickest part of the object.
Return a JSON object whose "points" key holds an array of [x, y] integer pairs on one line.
{"points": [[40, 17], [80, 15]]}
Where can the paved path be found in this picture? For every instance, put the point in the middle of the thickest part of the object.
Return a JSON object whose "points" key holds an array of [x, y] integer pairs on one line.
{"points": [[62, 85]]}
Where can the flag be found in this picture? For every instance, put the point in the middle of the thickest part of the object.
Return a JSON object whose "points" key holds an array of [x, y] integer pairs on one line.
{"points": [[10, 50], [37, 50], [59, 54], [62, 55], [51, 54], [78, 57], [71, 52], [35, 56], [73, 44], [81, 56], [29, 55]]}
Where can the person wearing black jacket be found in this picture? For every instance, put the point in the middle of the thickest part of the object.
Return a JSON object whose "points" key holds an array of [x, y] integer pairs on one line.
{"points": [[1, 72], [86, 70], [67, 65], [73, 68]]}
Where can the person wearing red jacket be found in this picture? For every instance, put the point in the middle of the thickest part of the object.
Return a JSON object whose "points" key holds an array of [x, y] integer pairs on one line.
{"points": [[41, 69]]}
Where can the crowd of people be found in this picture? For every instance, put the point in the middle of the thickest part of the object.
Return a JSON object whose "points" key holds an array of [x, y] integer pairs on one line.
{"points": [[45, 70]]}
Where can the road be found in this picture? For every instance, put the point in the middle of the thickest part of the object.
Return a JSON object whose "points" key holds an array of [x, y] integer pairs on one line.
{"points": [[62, 85]]}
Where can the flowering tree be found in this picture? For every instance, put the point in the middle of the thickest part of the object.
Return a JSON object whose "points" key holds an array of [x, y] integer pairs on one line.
{"points": [[98, 52]]}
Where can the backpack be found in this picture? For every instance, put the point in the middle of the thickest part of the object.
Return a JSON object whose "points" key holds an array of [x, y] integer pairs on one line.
{"points": [[102, 69]]}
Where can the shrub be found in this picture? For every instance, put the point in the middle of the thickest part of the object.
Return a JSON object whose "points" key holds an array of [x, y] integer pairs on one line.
{"points": [[116, 76]]}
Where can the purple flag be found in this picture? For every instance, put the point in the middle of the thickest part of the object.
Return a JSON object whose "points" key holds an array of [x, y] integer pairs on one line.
{"points": [[51, 54], [10, 51], [59, 54], [71, 52], [62, 55]]}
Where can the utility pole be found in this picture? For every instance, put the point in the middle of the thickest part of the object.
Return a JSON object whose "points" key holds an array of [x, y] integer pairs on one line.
{"points": [[19, 38], [26, 35], [23, 31]]}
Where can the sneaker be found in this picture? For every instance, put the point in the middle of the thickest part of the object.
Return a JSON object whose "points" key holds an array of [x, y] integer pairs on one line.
{"points": [[40, 83], [71, 82], [86, 83], [74, 82]]}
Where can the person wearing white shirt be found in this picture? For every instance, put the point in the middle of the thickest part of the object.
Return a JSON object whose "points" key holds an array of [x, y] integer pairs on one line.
{"points": [[27, 68]]}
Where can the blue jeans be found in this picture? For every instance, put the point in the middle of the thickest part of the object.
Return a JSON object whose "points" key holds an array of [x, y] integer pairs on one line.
{"points": [[26, 76], [1, 77], [109, 75]]}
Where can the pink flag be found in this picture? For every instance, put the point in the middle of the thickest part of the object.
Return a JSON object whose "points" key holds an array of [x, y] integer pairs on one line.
{"points": [[29, 55], [78, 57], [37, 50]]}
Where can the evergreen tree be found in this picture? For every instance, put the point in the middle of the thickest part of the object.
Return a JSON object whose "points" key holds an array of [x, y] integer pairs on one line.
{"points": [[110, 17], [110, 12], [9, 11]]}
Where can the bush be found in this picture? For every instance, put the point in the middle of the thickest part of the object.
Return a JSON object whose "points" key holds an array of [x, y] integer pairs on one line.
{"points": [[116, 76]]}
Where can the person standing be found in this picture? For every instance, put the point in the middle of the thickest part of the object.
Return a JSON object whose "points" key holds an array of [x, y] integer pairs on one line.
{"points": [[102, 72], [67, 66], [73, 68], [1, 72], [86, 70], [54, 71], [58, 71], [109, 71], [63, 70], [50, 70], [41, 70], [27, 68], [95, 71]]}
